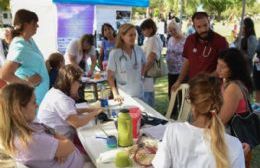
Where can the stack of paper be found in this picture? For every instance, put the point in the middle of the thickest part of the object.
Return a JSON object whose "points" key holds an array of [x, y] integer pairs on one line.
{"points": [[155, 132]]}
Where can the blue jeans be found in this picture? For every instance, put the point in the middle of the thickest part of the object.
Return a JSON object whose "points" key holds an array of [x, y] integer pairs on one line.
{"points": [[149, 98]]}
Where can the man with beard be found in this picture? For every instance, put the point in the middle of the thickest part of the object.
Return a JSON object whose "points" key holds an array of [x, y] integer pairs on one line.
{"points": [[201, 49]]}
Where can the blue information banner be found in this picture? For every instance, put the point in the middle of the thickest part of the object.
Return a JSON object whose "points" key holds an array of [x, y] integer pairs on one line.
{"points": [[137, 3]]}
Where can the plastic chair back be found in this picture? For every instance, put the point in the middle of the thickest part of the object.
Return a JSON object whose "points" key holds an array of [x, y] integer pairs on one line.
{"points": [[185, 106]]}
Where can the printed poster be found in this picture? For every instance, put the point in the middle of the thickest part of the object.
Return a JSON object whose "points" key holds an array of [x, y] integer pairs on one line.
{"points": [[73, 22]]}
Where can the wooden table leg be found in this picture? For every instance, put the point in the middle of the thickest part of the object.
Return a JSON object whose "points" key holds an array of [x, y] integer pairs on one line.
{"points": [[95, 90]]}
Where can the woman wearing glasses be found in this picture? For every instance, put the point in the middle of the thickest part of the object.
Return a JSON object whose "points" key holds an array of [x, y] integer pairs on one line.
{"points": [[125, 64]]}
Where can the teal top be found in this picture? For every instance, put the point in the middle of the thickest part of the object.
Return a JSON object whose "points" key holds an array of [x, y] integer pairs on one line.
{"points": [[27, 54]]}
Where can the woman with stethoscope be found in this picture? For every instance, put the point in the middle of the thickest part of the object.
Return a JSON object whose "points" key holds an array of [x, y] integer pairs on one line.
{"points": [[125, 64]]}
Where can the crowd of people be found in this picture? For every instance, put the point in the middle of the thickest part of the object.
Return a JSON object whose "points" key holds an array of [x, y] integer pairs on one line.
{"points": [[219, 78]]}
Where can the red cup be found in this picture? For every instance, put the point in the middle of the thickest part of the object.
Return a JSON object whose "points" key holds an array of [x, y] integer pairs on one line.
{"points": [[135, 114]]}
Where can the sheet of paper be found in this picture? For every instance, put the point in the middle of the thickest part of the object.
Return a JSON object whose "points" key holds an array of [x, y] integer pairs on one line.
{"points": [[82, 105], [155, 132]]}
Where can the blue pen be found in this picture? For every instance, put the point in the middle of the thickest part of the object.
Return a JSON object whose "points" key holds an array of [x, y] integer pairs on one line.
{"points": [[98, 137]]}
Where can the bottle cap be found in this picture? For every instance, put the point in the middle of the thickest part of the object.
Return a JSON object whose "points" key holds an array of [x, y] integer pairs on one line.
{"points": [[124, 111]]}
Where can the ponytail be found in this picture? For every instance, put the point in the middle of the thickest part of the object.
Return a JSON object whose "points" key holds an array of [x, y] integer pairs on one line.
{"points": [[48, 66], [218, 144], [206, 98], [16, 33]]}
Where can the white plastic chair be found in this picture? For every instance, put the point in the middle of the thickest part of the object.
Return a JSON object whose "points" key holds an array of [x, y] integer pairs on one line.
{"points": [[185, 106]]}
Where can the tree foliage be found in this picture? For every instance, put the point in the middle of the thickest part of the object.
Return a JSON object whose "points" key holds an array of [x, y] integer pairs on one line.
{"points": [[220, 8], [217, 6]]}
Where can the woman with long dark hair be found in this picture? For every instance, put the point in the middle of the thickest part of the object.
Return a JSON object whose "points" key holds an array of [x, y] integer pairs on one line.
{"points": [[249, 41], [233, 70], [108, 43]]}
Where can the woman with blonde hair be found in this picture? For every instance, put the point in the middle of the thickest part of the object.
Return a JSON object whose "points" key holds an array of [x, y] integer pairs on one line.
{"points": [[125, 64], [79, 51], [33, 144], [203, 143]]}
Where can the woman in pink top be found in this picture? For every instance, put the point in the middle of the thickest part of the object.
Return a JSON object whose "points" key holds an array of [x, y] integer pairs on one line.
{"points": [[232, 68], [33, 144]]}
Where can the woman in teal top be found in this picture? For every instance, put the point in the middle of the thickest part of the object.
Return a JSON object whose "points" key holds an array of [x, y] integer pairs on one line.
{"points": [[25, 62]]}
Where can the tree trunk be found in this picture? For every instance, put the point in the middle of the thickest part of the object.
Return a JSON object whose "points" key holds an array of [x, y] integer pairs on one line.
{"points": [[241, 21]]}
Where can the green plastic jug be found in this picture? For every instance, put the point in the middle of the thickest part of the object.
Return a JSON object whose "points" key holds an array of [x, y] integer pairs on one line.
{"points": [[125, 128]]}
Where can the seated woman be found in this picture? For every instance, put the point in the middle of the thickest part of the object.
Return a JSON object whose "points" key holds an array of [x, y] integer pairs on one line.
{"points": [[58, 109], [33, 144], [233, 69], [204, 142]]}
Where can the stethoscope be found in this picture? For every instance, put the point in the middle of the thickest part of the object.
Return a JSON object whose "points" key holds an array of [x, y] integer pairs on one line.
{"points": [[206, 51], [123, 57]]}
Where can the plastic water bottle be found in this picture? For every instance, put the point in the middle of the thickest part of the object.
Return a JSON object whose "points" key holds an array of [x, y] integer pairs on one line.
{"points": [[103, 96]]}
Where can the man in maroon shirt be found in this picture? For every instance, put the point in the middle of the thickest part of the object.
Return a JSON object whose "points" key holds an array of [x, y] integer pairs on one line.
{"points": [[201, 49]]}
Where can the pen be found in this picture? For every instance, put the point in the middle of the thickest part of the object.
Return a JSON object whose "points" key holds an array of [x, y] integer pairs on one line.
{"points": [[98, 137]]}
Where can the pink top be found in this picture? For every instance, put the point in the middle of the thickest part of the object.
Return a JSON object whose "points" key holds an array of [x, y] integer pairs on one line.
{"points": [[241, 108], [242, 105]]}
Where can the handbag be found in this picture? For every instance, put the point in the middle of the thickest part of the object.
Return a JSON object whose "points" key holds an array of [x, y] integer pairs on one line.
{"points": [[146, 119], [158, 69], [246, 126]]}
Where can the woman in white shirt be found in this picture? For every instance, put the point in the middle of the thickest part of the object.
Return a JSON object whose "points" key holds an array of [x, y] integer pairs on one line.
{"points": [[58, 108], [79, 51], [125, 64], [203, 143], [152, 48]]}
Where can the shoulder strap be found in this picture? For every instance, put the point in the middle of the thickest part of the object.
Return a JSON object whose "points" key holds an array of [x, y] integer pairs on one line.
{"points": [[245, 95]]}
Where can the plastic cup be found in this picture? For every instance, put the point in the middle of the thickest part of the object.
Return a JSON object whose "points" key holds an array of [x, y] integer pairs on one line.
{"points": [[122, 159], [111, 141]]}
